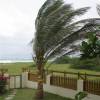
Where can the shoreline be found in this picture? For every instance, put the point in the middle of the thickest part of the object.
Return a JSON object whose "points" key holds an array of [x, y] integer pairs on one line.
{"points": [[15, 61]]}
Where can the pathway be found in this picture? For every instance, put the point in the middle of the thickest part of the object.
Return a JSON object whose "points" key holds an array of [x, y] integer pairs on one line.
{"points": [[11, 96]]}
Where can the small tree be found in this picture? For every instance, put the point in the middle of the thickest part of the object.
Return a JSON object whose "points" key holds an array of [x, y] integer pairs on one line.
{"points": [[91, 47]]}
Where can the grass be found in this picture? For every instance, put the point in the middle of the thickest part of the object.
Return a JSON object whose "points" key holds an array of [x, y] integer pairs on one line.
{"points": [[67, 68], [16, 68], [29, 94], [2, 97]]}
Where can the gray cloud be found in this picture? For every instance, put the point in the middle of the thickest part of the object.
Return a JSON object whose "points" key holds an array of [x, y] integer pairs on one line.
{"points": [[17, 19]]}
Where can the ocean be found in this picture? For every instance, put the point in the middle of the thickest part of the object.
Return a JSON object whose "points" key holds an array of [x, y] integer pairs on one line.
{"points": [[15, 61]]}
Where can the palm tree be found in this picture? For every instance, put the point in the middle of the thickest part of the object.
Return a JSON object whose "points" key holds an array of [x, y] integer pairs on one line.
{"points": [[56, 32]]}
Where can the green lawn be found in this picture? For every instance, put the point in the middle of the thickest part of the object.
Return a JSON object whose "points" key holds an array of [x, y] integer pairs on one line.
{"points": [[4, 95], [16, 68], [28, 94], [67, 68]]}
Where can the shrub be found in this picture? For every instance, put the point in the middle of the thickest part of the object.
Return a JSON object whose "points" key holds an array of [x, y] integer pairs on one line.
{"points": [[91, 64], [62, 60], [3, 81], [91, 47], [77, 63], [80, 95]]}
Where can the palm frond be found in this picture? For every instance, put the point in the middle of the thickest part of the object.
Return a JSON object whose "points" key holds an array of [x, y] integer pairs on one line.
{"points": [[98, 9], [56, 30], [71, 39]]}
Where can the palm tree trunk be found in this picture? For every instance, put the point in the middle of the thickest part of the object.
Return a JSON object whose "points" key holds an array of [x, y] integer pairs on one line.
{"points": [[40, 92]]}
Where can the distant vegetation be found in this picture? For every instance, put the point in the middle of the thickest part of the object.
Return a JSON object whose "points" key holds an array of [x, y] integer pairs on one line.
{"points": [[77, 63], [63, 60], [89, 64], [16, 68], [90, 55]]}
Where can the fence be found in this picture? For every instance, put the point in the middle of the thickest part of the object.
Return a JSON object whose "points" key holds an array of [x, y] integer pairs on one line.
{"points": [[60, 79], [69, 80], [91, 83], [83, 76], [65, 82], [92, 86], [15, 81], [68, 85], [32, 77]]}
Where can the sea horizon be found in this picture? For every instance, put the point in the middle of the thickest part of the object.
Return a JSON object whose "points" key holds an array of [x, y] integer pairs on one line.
{"points": [[15, 60]]}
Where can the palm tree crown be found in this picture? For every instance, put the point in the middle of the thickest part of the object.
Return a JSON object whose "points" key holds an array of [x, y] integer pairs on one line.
{"points": [[55, 29]]}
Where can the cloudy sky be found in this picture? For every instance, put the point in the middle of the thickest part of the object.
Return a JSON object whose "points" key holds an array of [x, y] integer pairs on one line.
{"points": [[17, 24]]}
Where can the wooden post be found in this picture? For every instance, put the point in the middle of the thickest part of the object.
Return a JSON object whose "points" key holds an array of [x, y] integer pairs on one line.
{"points": [[85, 76], [78, 75], [64, 79]]}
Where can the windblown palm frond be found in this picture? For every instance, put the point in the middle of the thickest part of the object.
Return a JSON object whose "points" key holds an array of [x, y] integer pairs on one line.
{"points": [[56, 29], [98, 9]]}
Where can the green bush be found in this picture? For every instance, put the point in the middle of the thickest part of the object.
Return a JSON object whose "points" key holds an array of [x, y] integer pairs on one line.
{"points": [[91, 64], [62, 60], [66, 60], [3, 81], [80, 95]]}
